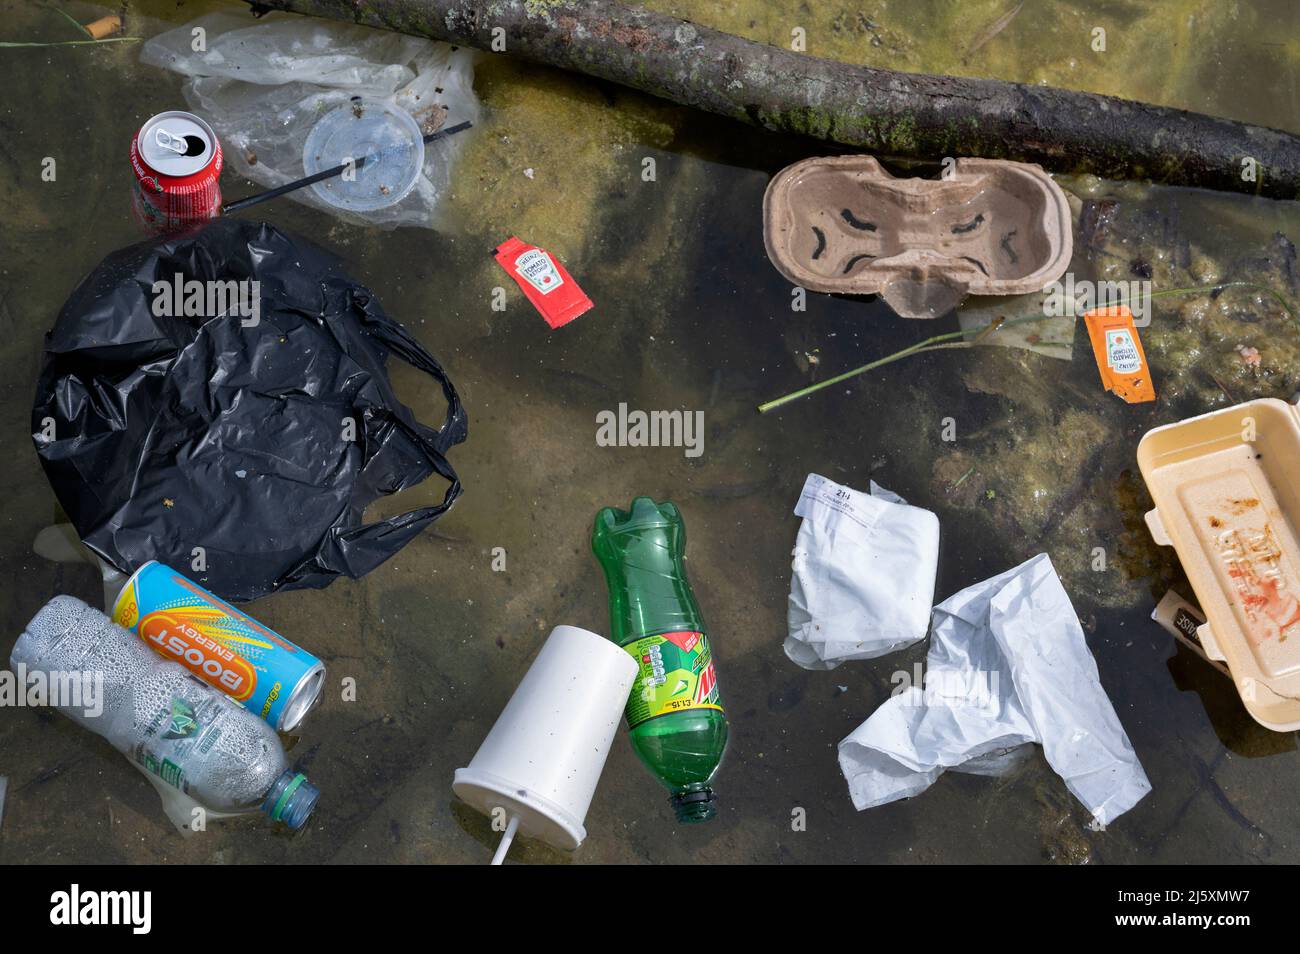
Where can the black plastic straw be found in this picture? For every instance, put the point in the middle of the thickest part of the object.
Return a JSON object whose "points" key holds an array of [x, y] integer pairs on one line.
{"points": [[240, 204]]}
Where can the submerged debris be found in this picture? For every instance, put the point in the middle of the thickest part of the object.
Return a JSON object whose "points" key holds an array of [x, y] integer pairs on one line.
{"points": [[992, 30]]}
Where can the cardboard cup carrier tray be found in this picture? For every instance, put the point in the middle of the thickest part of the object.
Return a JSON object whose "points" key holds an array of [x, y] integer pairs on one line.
{"points": [[1226, 486], [845, 225]]}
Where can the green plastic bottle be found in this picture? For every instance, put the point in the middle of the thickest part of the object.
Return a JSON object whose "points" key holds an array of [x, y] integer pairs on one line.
{"points": [[674, 714]]}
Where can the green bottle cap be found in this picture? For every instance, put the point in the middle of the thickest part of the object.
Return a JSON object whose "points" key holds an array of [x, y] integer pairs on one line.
{"points": [[694, 804]]}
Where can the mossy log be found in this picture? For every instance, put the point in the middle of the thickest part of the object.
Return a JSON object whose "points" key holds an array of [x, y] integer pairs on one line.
{"points": [[885, 112]]}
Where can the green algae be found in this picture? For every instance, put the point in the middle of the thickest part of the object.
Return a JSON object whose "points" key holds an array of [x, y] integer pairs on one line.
{"points": [[541, 8], [1159, 53], [551, 149]]}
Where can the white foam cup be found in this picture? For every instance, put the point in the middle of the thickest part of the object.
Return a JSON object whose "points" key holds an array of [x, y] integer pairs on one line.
{"points": [[543, 757]]}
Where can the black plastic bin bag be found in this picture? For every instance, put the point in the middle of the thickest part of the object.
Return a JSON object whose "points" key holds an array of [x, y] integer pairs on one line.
{"points": [[242, 454]]}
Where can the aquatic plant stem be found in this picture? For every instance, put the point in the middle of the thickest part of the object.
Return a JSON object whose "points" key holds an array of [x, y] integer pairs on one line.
{"points": [[1272, 293], [81, 28], [6, 44], [926, 345], [933, 343]]}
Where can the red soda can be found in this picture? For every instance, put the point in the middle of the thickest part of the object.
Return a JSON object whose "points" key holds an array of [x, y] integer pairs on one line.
{"points": [[177, 161]]}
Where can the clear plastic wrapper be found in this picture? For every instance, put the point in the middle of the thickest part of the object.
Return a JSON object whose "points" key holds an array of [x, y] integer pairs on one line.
{"points": [[264, 84]]}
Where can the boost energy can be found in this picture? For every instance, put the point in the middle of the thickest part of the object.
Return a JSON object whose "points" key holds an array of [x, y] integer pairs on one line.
{"points": [[177, 161], [255, 666]]}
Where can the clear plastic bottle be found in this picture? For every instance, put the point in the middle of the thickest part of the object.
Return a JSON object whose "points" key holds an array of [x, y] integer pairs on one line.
{"points": [[174, 728]]}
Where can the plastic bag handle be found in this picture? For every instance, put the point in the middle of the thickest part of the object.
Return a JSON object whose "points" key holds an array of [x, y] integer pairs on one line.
{"points": [[455, 425], [363, 548]]}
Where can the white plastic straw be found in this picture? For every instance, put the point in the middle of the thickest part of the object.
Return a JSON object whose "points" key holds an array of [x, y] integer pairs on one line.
{"points": [[511, 827]]}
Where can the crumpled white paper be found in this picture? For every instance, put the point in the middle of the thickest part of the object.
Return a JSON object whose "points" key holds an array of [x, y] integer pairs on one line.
{"points": [[1008, 664], [864, 568]]}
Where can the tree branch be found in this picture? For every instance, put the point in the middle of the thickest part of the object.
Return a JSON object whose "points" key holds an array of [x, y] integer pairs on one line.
{"points": [[910, 115]]}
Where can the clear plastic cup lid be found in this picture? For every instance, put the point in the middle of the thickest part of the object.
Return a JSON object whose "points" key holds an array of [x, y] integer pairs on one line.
{"points": [[389, 140]]}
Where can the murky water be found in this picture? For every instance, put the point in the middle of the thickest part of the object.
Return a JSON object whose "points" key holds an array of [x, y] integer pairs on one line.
{"points": [[691, 315]]}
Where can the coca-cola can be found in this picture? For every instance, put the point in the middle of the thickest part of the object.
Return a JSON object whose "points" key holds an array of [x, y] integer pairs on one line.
{"points": [[175, 188]]}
